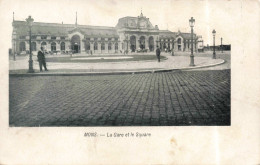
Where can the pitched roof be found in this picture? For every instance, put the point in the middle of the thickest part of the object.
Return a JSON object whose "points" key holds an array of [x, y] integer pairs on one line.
{"points": [[63, 29], [169, 34]]}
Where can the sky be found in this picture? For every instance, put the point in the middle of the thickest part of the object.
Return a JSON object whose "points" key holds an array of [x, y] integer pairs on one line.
{"points": [[173, 15]]}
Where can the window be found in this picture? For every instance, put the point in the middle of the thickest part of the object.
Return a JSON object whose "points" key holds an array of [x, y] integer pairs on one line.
{"points": [[102, 46], [43, 37], [87, 45], [43, 44], [116, 39], [22, 37], [62, 38], [34, 37], [53, 46], [53, 37], [62, 46], [109, 46], [33, 46], [102, 39], [95, 39], [95, 46], [179, 41], [22, 46], [116, 46], [109, 39]]}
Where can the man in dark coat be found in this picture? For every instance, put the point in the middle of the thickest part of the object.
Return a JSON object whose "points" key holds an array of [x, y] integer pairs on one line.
{"points": [[158, 52], [41, 59]]}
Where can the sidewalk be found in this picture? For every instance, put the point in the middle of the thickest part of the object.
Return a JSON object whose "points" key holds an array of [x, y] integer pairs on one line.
{"points": [[20, 66]]}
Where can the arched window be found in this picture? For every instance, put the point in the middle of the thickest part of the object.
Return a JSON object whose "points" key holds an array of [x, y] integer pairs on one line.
{"points": [[95, 46], [151, 43], [116, 46], [133, 43], [102, 46], [43, 44], [62, 46], [87, 45], [22, 46], [33, 46], [109, 46], [142, 42], [53, 46], [179, 41]]}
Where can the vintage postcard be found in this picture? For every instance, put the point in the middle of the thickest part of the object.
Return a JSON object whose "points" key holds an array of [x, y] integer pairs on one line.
{"points": [[129, 82]]}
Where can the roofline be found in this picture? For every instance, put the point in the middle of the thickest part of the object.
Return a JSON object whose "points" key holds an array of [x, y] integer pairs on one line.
{"points": [[69, 25]]}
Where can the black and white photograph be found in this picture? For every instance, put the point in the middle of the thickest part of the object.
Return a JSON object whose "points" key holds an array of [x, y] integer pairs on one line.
{"points": [[142, 71], [164, 80]]}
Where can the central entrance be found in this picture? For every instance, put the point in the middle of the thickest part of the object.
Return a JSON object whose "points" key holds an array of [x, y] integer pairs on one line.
{"points": [[76, 48], [75, 44]]}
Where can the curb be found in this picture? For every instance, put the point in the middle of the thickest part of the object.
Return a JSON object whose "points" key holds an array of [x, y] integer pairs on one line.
{"points": [[111, 73]]}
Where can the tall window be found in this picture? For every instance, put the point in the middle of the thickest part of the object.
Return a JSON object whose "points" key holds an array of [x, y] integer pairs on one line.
{"points": [[95, 46], [116, 46], [53, 46], [62, 46], [87, 45], [102, 46], [43, 44], [109, 46], [22, 46], [179, 41], [33, 46]]}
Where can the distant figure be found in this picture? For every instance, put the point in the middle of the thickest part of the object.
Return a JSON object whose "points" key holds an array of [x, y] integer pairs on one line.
{"points": [[41, 59], [158, 52]]}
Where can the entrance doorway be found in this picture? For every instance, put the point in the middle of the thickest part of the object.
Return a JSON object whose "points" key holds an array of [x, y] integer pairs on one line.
{"points": [[75, 44], [76, 48], [133, 43]]}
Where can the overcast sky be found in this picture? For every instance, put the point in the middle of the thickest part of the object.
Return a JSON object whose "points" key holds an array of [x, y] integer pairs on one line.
{"points": [[172, 14]]}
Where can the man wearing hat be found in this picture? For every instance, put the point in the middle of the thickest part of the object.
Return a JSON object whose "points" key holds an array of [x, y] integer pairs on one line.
{"points": [[158, 52], [41, 59]]}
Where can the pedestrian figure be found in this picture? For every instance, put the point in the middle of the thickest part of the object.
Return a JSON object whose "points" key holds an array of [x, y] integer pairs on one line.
{"points": [[158, 52], [41, 59]]}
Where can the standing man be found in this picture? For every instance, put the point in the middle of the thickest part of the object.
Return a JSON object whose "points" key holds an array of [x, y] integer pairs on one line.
{"points": [[158, 52], [41, 59]]}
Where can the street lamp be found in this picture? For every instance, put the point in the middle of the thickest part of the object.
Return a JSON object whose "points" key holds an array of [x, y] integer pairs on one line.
{"points": [[214, 53], [172, 47], [157, 41], [221, 46], [192, 22], [29, 21]]}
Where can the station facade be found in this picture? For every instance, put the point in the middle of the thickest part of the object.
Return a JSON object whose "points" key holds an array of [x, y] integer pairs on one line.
{"points": [[131, 34]]}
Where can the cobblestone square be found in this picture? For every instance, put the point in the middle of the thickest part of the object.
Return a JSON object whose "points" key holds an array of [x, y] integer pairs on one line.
{"points": [[153, 99]]}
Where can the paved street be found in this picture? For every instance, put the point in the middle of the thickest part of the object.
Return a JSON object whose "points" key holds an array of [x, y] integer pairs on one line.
{"points": [[167, 98]]}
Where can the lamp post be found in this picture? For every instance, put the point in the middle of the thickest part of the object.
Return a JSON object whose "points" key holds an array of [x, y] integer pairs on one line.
{"points": [[214, 53], [126, 40], [29, 21], [221, 46], [172, 47], [192, 22]]}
